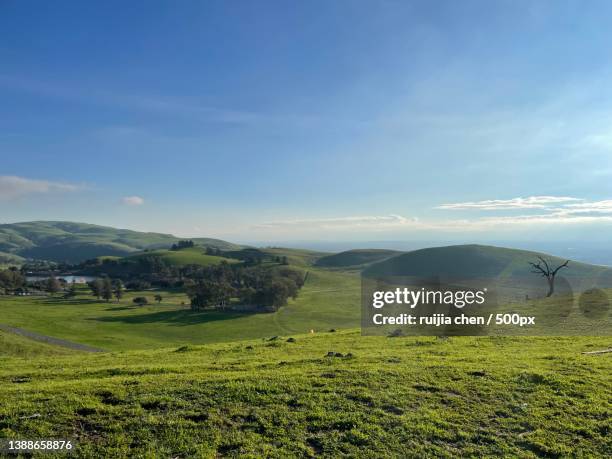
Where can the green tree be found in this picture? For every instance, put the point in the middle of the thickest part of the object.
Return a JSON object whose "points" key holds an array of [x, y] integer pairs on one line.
{"points": [[140, 300], [118, 290], [210, 293], [72, 290], [53, 285], [107, 289], [96, 287], [158, 298], [11, 279]]}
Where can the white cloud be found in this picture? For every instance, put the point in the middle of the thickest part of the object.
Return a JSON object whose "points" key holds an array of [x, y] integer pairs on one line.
{"points": [[12, 187], [553, 210], [559, 212], [344, 223], [544, 219], [596, 207], [133, 201], [531, 202]]}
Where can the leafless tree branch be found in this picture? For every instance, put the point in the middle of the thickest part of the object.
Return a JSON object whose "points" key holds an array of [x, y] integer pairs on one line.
{"points": [[546, 272], [564, 265]]}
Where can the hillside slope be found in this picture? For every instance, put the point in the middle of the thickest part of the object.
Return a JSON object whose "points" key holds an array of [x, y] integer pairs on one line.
{"points": [[486, 262], [355, 258], [74, 242], [13, 345], [375, 397], [190, 256]]}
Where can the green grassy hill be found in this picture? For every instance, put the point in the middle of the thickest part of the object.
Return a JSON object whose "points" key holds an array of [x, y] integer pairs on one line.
{"points": [[355, 258], [190, 256], [323, 395], [507, 266], [298, 257], [74, 242]]}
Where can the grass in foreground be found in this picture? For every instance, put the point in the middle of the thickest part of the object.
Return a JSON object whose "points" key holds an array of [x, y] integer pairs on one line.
{"points": [[400, 397]]}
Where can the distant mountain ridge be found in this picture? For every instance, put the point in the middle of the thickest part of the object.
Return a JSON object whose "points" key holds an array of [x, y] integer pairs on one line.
{"points": [[64, 241]]}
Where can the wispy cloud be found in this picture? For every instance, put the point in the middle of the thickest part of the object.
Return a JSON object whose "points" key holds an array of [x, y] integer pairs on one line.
{"points": [[556, 218], [173, 106], [596, 207], [531, 202], [553, 210], [344, 223], [12, 187], [133, 201]]}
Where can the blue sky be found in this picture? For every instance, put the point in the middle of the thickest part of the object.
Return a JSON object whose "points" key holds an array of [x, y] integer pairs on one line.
{"points": [[319, 120]]}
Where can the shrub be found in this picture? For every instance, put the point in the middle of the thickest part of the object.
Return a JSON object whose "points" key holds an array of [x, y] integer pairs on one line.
{"points": [[140, 300]]}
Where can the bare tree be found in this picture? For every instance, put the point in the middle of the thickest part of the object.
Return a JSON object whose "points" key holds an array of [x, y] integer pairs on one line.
{"points": [[543, 268]]}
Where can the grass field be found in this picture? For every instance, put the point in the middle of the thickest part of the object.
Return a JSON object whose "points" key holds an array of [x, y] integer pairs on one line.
{"points": [[328, 300], [399, 397]]}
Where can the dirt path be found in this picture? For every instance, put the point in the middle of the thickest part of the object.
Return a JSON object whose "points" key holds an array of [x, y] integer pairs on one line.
{"points": [[49, 339], [604, 351]]}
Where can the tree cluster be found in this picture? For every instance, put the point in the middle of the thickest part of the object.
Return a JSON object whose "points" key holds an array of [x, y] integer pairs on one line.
{"points": [[214, 251], [182, 245], [106, 288], [11, 279], [260, 289]]}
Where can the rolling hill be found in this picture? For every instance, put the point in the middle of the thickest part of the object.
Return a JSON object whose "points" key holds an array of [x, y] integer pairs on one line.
{"points": [[189, 256], [74, 242], [355, 258], [509, 269], [472, 261]]}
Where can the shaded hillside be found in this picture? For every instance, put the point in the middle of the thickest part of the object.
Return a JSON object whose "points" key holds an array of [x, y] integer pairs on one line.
{"points": [[354, 258], [10, 259], [74, 242], [508, 266]]}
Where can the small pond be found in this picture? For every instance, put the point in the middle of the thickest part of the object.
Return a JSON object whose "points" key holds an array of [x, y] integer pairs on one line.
{"points": [[69, 279]]}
